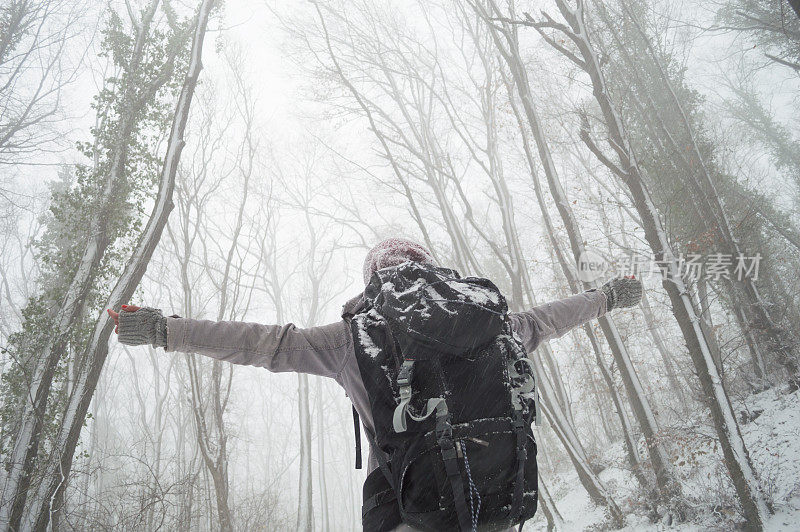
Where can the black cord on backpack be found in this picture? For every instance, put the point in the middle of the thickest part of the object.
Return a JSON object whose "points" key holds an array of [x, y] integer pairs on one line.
{"points": [[472, 489]]}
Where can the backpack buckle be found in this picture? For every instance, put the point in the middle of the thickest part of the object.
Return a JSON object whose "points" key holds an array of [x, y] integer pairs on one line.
{"points": [[405, 393], [444, 431], [405, 374], [449, 451]]}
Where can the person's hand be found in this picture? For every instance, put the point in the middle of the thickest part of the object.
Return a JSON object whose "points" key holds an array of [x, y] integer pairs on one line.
{"points": [[140, 325], [115, 315], [622, 292]]}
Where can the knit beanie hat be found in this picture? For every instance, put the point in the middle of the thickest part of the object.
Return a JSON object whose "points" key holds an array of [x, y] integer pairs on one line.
{"points": [[394, 251]]}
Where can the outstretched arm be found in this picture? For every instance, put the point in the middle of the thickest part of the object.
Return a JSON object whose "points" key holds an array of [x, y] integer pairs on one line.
{"points": [[319, 350], [554, 319]]}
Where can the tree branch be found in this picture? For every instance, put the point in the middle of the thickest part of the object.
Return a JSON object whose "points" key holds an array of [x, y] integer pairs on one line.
{"points": [[587, 139], [784, 62]]}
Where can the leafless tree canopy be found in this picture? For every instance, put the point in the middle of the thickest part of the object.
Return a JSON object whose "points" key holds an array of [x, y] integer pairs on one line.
{"points": [[234, 161]]}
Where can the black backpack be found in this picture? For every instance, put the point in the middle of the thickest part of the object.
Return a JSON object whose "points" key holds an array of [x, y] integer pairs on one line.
{"points": [[453, 399]]}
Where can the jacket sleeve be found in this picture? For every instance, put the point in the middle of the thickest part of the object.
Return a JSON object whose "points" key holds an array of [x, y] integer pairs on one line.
{"points": [[554, 319], [319, 350]]}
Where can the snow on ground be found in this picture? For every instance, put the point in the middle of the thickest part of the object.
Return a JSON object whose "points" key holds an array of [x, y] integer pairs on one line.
{"points": [[773, 439], [772, 436]]}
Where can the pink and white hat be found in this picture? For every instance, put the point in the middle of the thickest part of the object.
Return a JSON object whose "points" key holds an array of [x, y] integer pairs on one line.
{"points": [[394, 251]]}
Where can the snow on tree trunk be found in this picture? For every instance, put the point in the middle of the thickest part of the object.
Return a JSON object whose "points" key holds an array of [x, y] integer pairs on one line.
{"points": [[305, 510], [737, 460], [707, 193], [25, 447], [325, 525], [631, 447], [39, 509], [641, 406]]}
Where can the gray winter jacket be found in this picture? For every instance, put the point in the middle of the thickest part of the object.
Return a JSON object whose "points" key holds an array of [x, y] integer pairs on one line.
{"points": [[328, 351]]}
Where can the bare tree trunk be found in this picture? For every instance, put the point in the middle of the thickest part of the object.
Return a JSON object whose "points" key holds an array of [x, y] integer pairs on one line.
{"points": [[209, 403], [707, 191], [661, 347], [39, 510], [651, 324], [305, 510], [705, 200], [631, 446], [641, 406], [594, 487], [602, 405], [559, 389], [754, 503], [25, 446], [325, 524], [314, 264], [548, 506], [704, 305], [213, 448]]}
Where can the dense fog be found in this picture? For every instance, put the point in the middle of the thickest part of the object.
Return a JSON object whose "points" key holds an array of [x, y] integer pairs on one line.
{"points": [[235, 161]]}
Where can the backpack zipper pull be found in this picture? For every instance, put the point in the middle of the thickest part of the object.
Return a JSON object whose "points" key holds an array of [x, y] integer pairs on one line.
{"points": [[479, 441]]}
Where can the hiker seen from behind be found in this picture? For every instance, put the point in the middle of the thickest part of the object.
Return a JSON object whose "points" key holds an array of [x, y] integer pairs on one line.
{"points": [[438, 372]]}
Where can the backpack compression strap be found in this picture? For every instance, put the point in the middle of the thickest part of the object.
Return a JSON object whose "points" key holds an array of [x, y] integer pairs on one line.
{"points": [[444, 435], [518, 422]]}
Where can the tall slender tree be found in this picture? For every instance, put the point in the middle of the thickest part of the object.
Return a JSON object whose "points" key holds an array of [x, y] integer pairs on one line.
{"points": [[105, 192], [751, 495]]}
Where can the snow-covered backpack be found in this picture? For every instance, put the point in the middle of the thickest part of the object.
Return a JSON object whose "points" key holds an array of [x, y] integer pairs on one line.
{"points": [[452, 398]]}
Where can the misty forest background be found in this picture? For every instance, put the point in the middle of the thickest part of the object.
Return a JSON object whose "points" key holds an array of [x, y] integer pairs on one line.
{"points": [[507, 138]]}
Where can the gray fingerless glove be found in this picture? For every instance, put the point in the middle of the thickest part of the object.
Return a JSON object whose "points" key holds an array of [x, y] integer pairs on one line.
{"points": [[622, 292], [144, 326]]}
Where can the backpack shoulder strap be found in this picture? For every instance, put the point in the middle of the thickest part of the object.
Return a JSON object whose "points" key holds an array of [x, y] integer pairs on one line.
{"points": [[357, 431], [350, 309], [353, 306]]}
